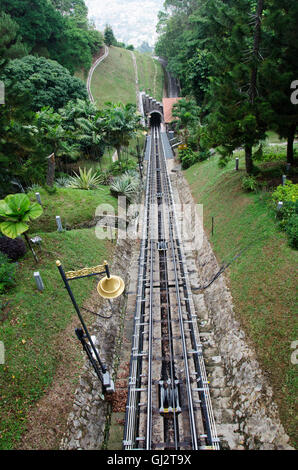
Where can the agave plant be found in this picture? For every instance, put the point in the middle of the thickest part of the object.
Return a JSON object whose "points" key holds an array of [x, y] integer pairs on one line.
{"points": [[62, 182], [85, 180], [126, 185]]}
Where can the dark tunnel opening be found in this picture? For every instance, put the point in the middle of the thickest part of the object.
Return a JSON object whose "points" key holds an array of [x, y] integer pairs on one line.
{"points": [[155, 119]]}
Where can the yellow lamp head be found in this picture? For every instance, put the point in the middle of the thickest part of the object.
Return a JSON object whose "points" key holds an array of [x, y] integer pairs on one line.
{"points": [[110, 287]]}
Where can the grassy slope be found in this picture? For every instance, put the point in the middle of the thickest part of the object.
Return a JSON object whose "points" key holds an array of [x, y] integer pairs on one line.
{"points": [[150, 75], [262, 280], [114, 79], [74, 207], [32, 326]]}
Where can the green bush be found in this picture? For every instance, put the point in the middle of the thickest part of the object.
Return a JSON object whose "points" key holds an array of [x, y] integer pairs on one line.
{"points": [[7, 273], [291, 230], [121, 166], [188, 158], [105, 176], [85, 180], [249, 183], [286, 193], [126, 185], [62, 181], [288, 213]]}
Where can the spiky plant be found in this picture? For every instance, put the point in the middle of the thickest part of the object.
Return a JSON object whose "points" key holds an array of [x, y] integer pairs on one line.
{"points": [[85, 180], [62, 182], [126, 185]]}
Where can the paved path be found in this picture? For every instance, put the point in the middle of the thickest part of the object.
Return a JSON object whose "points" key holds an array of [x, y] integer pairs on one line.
{"points": [[96, 63]]}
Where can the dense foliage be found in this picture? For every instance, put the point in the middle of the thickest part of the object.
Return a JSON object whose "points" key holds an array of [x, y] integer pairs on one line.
{"points": [[287, 214], [7, 273], [238, 60], [56, 29], [36, 82], [47, 111]]}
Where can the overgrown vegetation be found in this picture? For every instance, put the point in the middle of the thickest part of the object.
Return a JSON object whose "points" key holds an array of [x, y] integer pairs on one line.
{"points": [[238, 61], [287, 195], [55, 29]]}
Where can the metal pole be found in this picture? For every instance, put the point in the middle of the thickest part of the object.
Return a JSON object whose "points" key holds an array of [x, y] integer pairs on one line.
{"points": [[38, 198], [104, 369], [59, 223], [38, 280]]}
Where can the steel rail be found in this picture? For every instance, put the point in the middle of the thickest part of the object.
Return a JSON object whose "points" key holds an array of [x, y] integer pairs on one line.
{"points": [[162, 235], [150, 320], [131, 406], [180, 313], [158, 188], [210, 421]]}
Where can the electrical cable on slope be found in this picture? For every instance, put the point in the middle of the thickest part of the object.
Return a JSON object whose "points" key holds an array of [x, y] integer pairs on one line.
{"points": [[225, 266]]}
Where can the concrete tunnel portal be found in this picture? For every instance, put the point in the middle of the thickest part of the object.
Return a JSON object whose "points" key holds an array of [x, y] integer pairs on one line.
{"points": [[155, 118]]}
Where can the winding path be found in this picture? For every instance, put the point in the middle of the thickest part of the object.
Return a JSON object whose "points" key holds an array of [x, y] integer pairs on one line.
{"points": [[91, 71]]}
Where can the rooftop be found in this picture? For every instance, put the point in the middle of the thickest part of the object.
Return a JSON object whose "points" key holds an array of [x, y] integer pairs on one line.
{"points": [[168, 104]]}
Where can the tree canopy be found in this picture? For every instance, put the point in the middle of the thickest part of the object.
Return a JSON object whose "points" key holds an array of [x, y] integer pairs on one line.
{"points": [[237, 59], [39, 82], [56, 29]]}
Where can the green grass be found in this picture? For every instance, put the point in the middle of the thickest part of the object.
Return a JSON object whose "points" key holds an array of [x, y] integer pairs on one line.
{"points": [[32, 323], [114, 79], [150, 75], [262, 280], [75, 206]]}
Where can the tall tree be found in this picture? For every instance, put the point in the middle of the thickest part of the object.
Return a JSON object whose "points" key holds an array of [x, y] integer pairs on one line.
{"points": [[279, 68], [11, 46], [109, 37], [35, 82]]}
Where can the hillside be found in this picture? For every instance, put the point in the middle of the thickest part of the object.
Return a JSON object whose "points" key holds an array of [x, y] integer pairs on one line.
{"points": [[114, 79], [261, 279]]}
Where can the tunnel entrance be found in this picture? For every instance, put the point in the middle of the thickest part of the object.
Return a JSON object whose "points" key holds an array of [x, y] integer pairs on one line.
{"points": [[155, 119]]}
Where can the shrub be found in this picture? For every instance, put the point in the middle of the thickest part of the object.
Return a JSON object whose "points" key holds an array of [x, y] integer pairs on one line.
{"points": [[288, 214], [291, 230], [14, 249], [85, 180], [249, 183], [121, 166], [126, 185], [286, 193], [105, 176], [7, 273], [62, 181], [188, 157]]}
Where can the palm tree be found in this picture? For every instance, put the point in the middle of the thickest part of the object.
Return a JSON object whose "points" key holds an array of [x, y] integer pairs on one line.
{"points": [[89, 136], [75, 110], [61, 142], [118, 122]]}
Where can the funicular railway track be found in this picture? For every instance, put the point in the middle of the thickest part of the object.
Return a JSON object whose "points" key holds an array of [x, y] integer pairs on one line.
{"points": [[168, 405]]}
